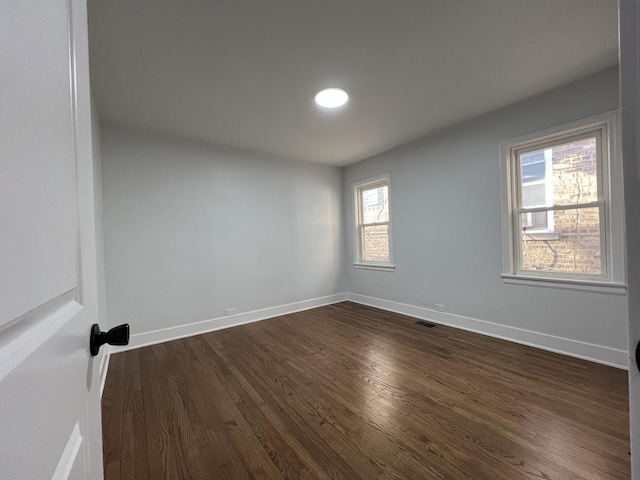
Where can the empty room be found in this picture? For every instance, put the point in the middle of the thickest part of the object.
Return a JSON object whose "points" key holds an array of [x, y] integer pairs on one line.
{"points": [[300, 239]]}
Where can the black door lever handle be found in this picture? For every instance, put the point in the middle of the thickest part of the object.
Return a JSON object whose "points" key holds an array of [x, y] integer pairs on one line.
{"points": [[116, 336]]}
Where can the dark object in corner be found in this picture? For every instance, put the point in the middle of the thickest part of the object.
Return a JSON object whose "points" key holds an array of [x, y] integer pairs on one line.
{"points": [[426, 324]]}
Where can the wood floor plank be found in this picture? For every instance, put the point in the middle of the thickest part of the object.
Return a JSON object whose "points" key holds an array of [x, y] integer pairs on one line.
{"points": [[112, 417], [154, 428], [163, 456], [348, 392], [248, 401]]}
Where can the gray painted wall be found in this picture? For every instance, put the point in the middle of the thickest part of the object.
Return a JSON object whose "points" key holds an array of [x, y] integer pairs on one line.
{"points": [[445, 209], [191, 230]]}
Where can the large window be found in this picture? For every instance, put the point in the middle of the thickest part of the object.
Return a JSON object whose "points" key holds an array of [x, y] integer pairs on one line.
{"points": [[559, 222], [373, 223]]}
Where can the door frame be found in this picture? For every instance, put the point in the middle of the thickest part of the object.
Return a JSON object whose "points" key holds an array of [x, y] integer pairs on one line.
{"points": [[629, 21]]}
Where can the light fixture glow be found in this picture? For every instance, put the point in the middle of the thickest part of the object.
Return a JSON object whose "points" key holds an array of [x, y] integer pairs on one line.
{"points": [[333, 97]]}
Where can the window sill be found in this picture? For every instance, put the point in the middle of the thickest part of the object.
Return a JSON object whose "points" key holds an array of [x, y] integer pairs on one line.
{"points": [[375, 266], [543, 235], [580, 285]]}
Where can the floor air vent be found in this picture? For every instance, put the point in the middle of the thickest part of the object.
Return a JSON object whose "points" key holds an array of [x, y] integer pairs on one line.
{"points": [[426, 324]]}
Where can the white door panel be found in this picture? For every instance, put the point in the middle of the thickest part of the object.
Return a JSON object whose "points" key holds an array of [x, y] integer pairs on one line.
{"points": [[49, 385], [37, 191], [44, 397], [71, 463]]}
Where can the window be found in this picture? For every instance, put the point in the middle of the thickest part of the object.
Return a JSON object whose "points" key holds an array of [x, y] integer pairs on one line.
{"points": [[373, 224], [558, 223]]}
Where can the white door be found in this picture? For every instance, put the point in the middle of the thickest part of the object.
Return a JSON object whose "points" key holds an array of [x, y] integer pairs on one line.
{"points": [[49, 383], [630, 113]]}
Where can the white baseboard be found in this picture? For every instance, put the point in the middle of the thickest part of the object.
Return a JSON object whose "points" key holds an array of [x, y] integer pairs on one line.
{"points": [[574, 348], [182, 331], [586, 351], [104, 367]]}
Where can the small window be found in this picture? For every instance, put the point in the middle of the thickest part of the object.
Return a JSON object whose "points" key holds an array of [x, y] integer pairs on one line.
{"points": [[373, 223], [558, 216]]}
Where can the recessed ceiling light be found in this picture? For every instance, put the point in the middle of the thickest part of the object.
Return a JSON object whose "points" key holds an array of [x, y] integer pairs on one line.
{"points": [[333, 97]]}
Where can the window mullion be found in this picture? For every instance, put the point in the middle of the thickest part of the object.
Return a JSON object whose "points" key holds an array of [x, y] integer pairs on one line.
{"points": [[572, 206], [375, 224]]}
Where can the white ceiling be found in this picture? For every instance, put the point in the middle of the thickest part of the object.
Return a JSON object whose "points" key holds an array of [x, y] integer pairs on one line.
{"points": [[243, 73]]}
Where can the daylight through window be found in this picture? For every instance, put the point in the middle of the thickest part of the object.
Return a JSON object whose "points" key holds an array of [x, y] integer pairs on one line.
{"points": [[559, 204], [373, 222]]}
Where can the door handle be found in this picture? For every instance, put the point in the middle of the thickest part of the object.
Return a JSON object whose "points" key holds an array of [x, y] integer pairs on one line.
{"points": [[116, 336], [638, 355]]}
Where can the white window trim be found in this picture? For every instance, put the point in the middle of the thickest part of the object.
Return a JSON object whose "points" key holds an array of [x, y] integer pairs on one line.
{"points": [[357, 247], [612, 226]]}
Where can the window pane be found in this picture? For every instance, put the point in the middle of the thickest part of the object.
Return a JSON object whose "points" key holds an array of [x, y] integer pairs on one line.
{"points": [[375, 204], [532, 157], [534, 195], [573, 246], [532, 172], [535, 220], [575, 172], [375, 244]]}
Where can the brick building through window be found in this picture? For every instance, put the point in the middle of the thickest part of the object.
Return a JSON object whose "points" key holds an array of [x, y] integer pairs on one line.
{"points": [[561, 240], [559, 225]]}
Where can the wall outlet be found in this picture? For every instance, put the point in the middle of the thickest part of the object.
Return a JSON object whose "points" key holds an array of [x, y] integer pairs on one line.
{"points": [[230, 311], [439, 307]]}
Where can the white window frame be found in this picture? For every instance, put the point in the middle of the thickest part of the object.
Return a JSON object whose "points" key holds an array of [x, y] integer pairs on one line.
{"points": [[610, 201], [357, 188]]}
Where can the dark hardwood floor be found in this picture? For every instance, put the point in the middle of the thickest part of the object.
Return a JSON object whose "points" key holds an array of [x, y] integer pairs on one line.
{"points": [[347, 391]]}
